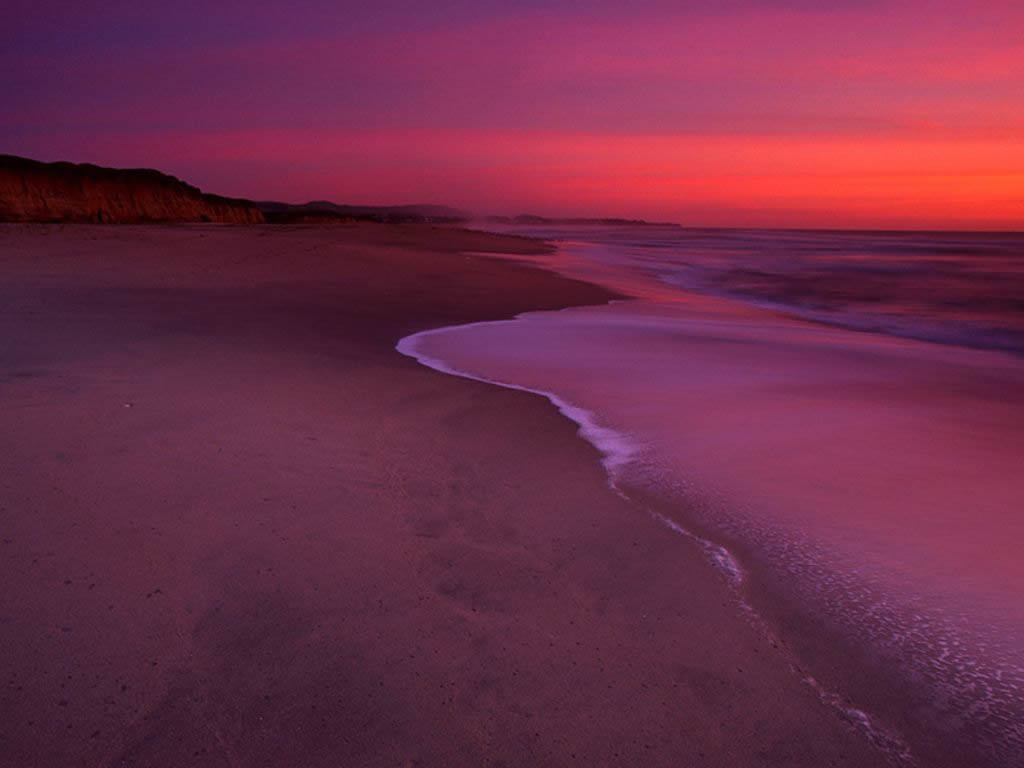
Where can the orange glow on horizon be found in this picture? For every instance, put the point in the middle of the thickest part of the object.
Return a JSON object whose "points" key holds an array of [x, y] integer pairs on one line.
{"points": [[900, 114], [838, 181]]}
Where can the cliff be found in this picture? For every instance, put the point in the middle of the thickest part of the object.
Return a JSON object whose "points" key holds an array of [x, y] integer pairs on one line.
{"points": [[34, 191]]}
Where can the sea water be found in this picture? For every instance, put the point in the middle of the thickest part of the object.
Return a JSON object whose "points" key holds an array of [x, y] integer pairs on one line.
{"points": [[839, 419]]}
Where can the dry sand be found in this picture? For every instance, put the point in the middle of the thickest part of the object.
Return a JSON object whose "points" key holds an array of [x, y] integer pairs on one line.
{"points": [[239, 529]]}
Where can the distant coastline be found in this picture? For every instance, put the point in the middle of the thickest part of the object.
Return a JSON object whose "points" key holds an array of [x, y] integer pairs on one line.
{"points": [[36, 191], [530, 220]]}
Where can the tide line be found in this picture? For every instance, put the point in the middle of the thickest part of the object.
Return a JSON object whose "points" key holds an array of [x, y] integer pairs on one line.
{"points": [[617, 450]]}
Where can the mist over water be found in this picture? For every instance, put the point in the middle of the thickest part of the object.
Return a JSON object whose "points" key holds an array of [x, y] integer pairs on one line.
{"points": [[871, 479]]}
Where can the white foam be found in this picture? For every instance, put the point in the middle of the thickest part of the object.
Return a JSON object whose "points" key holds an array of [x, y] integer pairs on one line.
{"points": [[722, 558], [616, 448], [888, 743]]}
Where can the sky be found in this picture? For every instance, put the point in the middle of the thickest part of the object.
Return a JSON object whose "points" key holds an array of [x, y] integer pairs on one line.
{"points": [[849, 113]]}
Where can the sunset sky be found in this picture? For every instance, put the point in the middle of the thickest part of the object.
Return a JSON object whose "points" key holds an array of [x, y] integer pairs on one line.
{"points": [[737, 112]]}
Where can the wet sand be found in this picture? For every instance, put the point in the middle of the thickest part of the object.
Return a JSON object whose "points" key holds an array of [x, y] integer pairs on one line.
{"points": [[239, 528]]}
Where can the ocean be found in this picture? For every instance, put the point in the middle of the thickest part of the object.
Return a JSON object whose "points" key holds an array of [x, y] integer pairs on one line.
{"points": [[836, 420], [947, 287]]}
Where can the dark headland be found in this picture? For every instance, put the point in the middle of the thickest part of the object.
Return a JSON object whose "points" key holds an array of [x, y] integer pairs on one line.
{"points": [[70, 192]]}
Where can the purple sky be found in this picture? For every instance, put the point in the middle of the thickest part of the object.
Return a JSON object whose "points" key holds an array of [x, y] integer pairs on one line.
{"points": [[745, 112]]}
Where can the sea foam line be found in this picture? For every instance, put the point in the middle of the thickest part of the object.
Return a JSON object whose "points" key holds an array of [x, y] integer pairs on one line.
{"points": [[617, 450]]}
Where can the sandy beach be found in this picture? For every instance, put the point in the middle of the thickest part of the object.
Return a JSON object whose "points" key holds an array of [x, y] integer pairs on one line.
{"points": [[240, 529]]}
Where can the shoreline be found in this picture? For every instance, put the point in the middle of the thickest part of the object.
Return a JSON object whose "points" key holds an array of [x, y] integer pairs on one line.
{"points": [[241, 528], [617, 450], [812, 645]]}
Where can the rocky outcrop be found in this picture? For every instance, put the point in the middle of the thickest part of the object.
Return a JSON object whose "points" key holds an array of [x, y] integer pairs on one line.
{"points": [[34, 191]]}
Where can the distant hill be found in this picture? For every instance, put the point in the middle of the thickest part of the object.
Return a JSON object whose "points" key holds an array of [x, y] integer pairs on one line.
{"points": [[34, 191], [325, 210], [529, 220]]}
